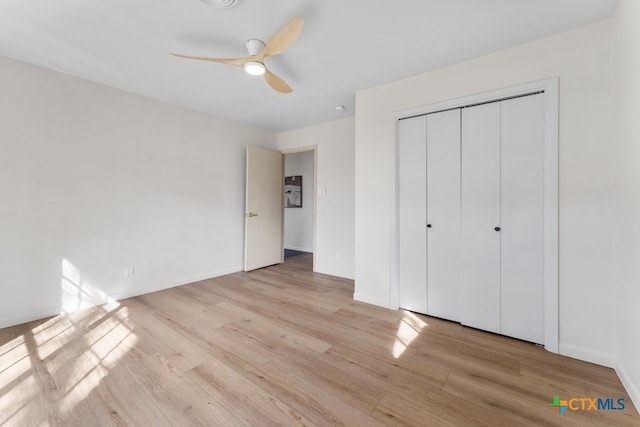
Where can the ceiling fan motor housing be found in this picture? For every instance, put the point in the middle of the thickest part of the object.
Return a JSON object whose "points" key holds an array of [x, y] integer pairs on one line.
{"points": [[254, 46]]}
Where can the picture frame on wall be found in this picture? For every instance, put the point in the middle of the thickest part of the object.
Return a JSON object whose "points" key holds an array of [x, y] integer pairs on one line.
{"points": [[293, 191]]}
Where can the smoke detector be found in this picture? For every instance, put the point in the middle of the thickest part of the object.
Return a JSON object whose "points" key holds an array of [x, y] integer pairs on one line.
{"points": [[220, 4]]}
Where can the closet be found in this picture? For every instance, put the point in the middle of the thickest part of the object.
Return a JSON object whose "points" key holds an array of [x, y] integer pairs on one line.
{"points": [[471, 215]]}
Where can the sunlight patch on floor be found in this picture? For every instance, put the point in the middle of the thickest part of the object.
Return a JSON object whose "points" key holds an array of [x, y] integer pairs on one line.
{"points": [[15, 371], [109, 341], [52, 339], [16, 403], [10, 354], [408, 330], [72, 352]]}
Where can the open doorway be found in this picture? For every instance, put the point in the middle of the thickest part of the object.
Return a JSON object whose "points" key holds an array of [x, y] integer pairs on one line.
{"points": [[299, 205]]}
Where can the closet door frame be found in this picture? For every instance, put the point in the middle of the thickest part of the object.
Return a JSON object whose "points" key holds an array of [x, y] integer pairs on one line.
{"points": [[550, 89]]}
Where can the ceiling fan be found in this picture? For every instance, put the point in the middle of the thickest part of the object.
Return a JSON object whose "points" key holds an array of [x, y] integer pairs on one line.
{"points": [[258, 50]]}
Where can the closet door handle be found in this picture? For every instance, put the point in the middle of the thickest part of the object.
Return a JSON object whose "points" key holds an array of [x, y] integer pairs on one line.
{"points": [[428, 225], [497, 228]]}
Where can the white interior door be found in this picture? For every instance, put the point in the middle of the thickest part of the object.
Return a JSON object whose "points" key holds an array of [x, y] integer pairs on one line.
{"points": [[412, 214], [480, 217], [522, 212], [263, 208], [443, 214]]}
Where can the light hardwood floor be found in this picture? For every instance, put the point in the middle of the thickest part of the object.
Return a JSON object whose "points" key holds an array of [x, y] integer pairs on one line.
{"points": [[283, 346]]}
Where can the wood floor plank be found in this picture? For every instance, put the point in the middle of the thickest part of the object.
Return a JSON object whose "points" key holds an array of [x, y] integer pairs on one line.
{"points": [[304, 392], [393, 410], [180, 401], [360, 391], [388, 374], [243, 397], [283, 346], [462, 357], [163, 340], [576, 375], [271, 331], [128, 400]]}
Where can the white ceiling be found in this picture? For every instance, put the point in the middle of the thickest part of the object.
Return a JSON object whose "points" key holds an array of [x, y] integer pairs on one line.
{"points": [[345, 46]]}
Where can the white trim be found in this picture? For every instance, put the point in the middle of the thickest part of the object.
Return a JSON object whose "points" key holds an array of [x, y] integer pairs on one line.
{"points": [[299, 249], [54, 311], [371, 300], [494, 95], [551, 209], [394, 243], [550, 89], [632, 389], [297, 150], [586, 355], [174, 283], [19, 319]]}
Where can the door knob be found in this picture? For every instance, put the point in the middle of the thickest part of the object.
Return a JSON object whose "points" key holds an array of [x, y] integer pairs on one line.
{"points": [[251, 215], [497, 228], [428, 225]]}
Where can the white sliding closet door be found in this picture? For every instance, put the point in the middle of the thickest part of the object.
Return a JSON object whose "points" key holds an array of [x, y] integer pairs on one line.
{"points": [[412, 214], [522, 210], [443, 214], [480, 260]]}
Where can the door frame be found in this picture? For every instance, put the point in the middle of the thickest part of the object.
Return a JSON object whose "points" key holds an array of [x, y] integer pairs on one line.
{"points": [[551, 267], [305, 149]]}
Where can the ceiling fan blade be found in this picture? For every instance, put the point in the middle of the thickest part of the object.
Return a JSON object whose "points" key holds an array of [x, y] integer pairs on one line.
{"points": [[231, 61], [276, 82], [284, 38]]}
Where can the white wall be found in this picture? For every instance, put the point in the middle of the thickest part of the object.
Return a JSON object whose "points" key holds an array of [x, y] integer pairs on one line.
{"points": [[626, 180], [93, 179], [581, 58], [335, 210], [298, 222]]}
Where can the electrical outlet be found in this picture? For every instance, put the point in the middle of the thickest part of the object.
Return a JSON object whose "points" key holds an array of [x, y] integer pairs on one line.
{"points": [[337, 256], [128, 271]]}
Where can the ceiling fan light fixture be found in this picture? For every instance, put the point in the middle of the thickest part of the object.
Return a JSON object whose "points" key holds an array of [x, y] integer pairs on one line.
{"points": [[255, 68], [253, 64]]}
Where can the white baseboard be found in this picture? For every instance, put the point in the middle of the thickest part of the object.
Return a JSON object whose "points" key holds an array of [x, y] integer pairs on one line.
{"points": [[172, 284], [334, 273], [37, 314], [371, 300], [587, 355], [17, 319], [298, 248], [632, 389]]}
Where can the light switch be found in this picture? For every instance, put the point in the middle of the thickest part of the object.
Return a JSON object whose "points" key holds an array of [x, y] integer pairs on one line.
{"points": [[128, 271]]}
